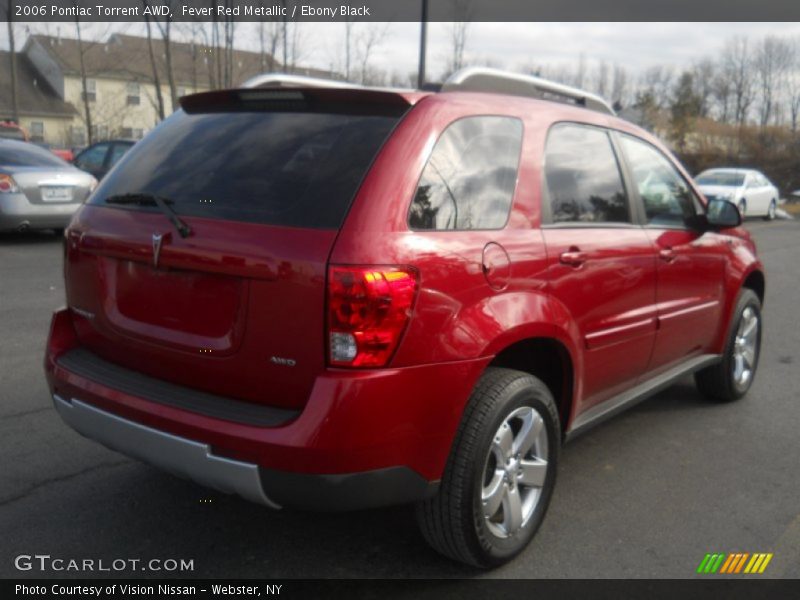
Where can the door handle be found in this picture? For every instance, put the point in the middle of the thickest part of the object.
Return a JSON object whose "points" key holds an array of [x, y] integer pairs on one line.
{"points": [[667, 255], [573, 257]]}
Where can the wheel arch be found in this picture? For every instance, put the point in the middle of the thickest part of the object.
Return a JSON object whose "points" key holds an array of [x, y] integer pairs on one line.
{"points": [[549, 360], [756, 281]]}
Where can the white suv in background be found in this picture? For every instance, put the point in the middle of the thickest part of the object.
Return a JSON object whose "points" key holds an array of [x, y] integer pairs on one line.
{"points": [[754, 194]]}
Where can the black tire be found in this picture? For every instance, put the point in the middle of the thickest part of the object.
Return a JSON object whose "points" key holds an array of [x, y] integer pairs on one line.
{"points": [[717, 382], [773, 206], [453, 521]]}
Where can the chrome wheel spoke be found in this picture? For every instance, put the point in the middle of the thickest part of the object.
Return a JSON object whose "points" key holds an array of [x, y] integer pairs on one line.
{"points": [[493, 495], [504, 441], [749, 328], [512, 510], [532, 426], [738, 368], [749, 356], [533, 472], [745, 348]]}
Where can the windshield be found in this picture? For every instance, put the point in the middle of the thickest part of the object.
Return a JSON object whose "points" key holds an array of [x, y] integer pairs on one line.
{"points": [[23, 154], [723, 178], [279, 168]]}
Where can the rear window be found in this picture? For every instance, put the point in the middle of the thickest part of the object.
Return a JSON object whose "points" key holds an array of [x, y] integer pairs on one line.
{"points": [[11, 133], [277, 168], [721, 178], [23, 154]]}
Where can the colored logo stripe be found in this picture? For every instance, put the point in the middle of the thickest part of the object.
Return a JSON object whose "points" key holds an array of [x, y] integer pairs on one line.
{"points": [[734, 563]]}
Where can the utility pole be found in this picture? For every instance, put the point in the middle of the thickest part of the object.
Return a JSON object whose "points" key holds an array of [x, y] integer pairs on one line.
{"points": [[423, 38]]}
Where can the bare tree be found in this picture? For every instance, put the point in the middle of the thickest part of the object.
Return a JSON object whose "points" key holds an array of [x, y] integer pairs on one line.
{"points": [[284, 37], [462, 11], [619, 86], [348, 44], [165, 29], [657, 82], [12, 57], [87, 110], [368, 41], [230, 29], [772, 59], [580, 73], [601, 83], [793, 85], [296, 45], [154, 66], [737, 68], [722, 93], [703, 73], [269, 34]]}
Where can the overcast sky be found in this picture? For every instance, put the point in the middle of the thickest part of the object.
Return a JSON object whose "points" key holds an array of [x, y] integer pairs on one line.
{"points": [[510, 45]]}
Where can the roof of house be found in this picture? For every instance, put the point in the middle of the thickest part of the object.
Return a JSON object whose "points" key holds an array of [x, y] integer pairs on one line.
{"points": [[34, 95], [127, 57]]}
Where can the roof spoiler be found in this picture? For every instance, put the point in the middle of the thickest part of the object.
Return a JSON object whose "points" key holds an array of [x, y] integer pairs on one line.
{"points": [[351, 100], [480, 79]]}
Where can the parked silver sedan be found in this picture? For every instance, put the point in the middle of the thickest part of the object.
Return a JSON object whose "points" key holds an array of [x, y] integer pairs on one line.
{"points": [[38, 190]]}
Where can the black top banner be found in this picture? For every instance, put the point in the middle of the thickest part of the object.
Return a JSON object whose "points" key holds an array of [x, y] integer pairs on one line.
{"points": [[401, 10]]}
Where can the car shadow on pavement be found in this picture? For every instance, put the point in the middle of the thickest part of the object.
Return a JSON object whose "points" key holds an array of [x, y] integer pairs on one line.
{"points": [[133, 510], [15, 238], [681, 396]]}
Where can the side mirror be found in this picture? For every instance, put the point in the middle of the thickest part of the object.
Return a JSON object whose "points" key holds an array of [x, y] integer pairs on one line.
{"points": [[722, 214]]}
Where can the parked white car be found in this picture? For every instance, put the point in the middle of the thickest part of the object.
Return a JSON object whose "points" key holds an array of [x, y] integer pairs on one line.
{"points": [[748, 189]]}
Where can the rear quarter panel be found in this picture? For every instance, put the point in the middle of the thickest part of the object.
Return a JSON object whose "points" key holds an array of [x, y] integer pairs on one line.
{"points": [[457, 314]]}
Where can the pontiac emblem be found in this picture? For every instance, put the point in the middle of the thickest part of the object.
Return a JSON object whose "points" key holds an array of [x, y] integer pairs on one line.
{"points": [[157, 237]]}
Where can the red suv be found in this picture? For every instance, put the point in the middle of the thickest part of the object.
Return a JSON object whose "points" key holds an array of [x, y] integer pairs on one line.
{"points": [[345, 298]]}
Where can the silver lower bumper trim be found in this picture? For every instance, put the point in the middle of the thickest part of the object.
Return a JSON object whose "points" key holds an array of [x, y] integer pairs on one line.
{"points": [[177, 455]]}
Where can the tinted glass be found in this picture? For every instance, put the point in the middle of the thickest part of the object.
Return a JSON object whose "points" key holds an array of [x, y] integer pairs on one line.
{"points": [[117, 152], [23, 154], [720, 178], [470, 177], [92, 158], [667, 198], [294, 169], [583, 178]]}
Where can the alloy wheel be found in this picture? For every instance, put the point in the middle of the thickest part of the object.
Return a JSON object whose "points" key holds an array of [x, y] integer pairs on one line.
{"points": [[745, 348], [515, 472]]}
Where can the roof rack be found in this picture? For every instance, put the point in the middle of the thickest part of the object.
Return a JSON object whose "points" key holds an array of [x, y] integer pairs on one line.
{"points": [[481, 79], [282, 80]]}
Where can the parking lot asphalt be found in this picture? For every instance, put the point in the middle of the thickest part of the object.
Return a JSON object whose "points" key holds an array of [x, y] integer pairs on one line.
{"points": [[646, 494]]}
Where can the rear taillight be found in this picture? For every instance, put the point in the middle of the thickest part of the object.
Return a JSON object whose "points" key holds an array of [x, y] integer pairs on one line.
{"points": [[7, 184], [368, 309]]}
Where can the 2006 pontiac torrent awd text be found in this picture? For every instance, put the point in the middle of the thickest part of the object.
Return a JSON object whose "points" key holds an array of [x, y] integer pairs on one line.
{"points": [[337, 298]]}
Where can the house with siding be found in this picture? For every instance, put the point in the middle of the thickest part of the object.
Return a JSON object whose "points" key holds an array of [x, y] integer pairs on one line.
{"points": [[120, 83]]}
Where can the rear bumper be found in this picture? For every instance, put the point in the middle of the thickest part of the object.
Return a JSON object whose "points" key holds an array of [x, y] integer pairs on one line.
{"points": [[196, 461], [363, 439], [17, 211]]}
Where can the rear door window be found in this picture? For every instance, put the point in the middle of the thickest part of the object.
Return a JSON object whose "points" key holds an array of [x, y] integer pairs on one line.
{"points": [[117, 152], [583, 179], [93, 158], [298, 169], [469, 180]]}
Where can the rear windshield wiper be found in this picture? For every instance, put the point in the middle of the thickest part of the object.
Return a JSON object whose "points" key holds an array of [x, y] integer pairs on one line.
{"points": [[163, 204]]}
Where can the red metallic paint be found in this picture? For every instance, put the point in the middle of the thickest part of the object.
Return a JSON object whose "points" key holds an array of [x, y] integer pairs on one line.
{"points": [[271, 285]]}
